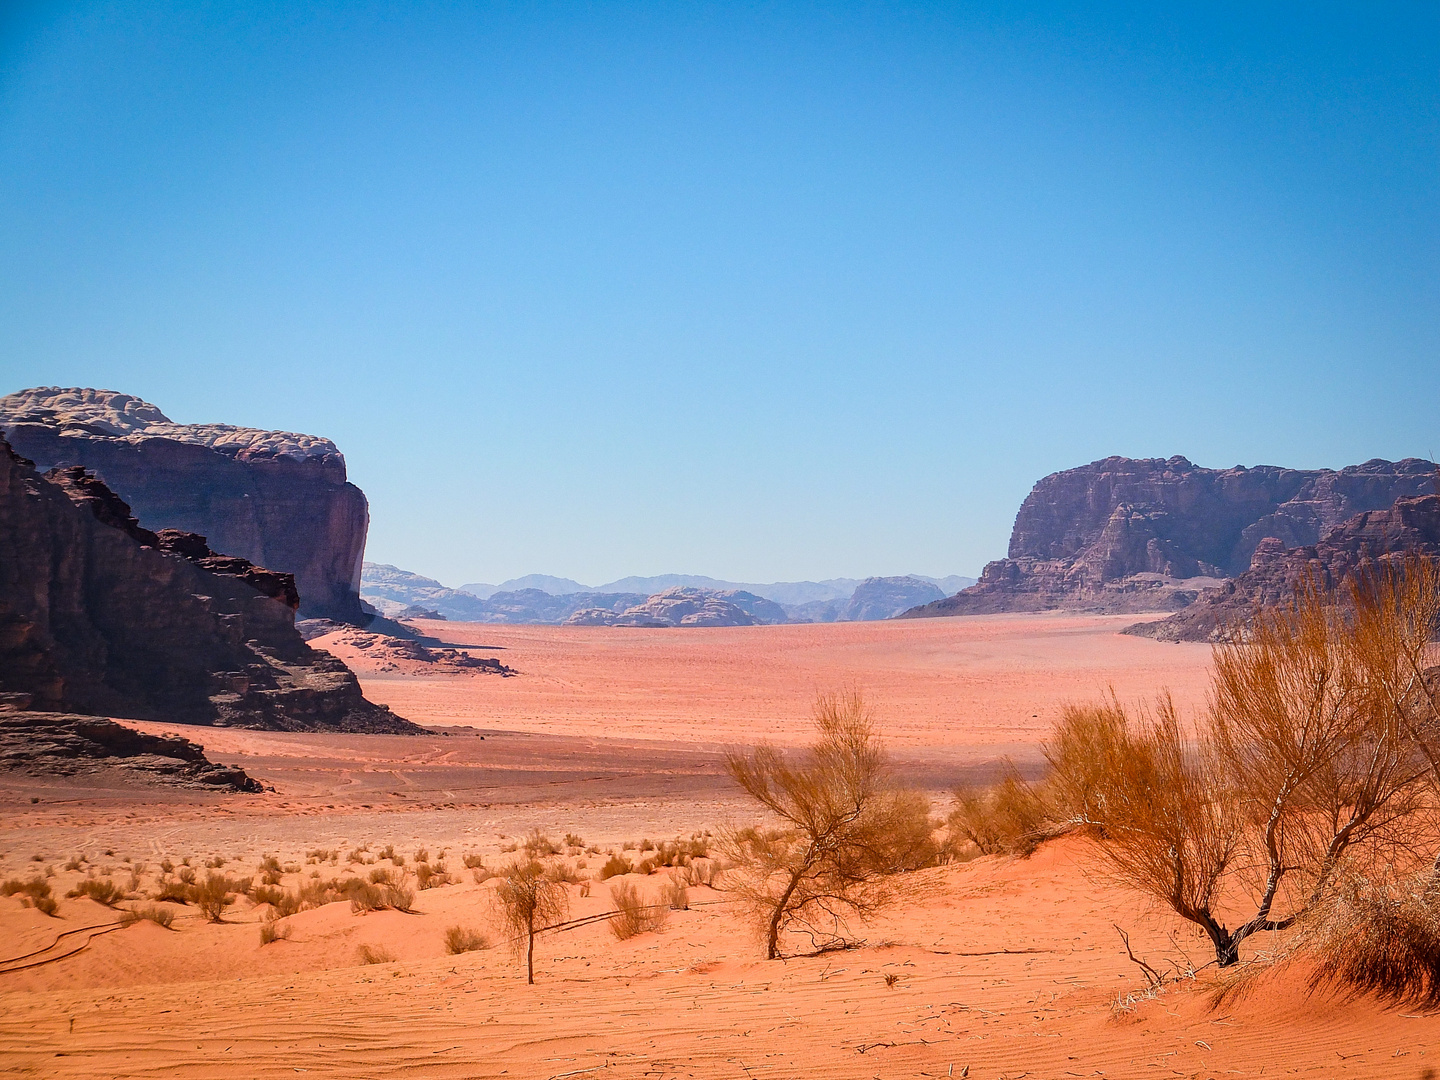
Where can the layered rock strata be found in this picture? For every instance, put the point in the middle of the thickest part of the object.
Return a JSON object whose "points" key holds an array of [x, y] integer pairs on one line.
{"points": [[1149, 535], [99, 615], [51, 744], [1347, 553], [278, 499]]}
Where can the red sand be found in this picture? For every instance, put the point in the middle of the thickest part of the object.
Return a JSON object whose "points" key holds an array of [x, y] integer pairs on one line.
{"points": [[1003, 968]]}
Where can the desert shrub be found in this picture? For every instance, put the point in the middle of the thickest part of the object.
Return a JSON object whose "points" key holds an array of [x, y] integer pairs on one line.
{"points": [[646, 866], [148, 913], [270, 862], [460, 939], [102, 891], [36, 893], [840, 844], [172, 891], [481, 875], [381, 875], [1006, 819], [364, 896], [186, 874], [614, 866], [356, 856], [1311, 762], [677, 892], [634, 915], [646, 845], [430, 877], [422, 855], [538, 845], [272, 930], [473, 862], [215, 863], [703, 871], [282, 902], [375, 954], [266, 894], [562, 873], [166, 866], [571, 840], [214, 894], [527, 903], [73, 864], [270, 877]]}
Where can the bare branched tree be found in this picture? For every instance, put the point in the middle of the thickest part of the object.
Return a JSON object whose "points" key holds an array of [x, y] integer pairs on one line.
{"points": [[1310, 759], [528, 901], [843, 832]]}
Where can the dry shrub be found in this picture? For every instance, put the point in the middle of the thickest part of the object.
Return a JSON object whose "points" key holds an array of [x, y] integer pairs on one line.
{"points": [[172, 891], [148, 913], [1311, 764], [321, 855], [186, 874], [481, 875], [269, 862], [74, 863], [562, 873], [382, 875], [430, 877], [282, 902], [705, 871], [461, 939], [527, 903], [272, 930], [573, 841], [677, 891], [365, 896], [213, 895], [422, 854], [473, 862], [35, 892], [614, 866], [846, 832], [538, 845], [634, 915], [1373, 936], [375, 954], [1006, 819], [101, 890]]}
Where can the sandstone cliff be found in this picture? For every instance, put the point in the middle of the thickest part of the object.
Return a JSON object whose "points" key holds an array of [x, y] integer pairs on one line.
{"points": [[1366, 541], [276, 498], [682, 606], [1149, 535], [886, 597], [99, 615]]}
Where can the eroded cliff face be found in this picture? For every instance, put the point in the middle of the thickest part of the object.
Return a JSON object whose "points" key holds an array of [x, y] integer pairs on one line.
{"points": [[99, 615], [1123, 534], [278, 499], [1349, 551]]}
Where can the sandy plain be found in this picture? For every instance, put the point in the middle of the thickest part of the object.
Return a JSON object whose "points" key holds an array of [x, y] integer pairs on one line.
{"points": [[1002, 967]]}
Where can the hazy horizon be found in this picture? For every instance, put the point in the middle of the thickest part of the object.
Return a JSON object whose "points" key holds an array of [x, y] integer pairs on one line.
{"points": [[773, 293]]}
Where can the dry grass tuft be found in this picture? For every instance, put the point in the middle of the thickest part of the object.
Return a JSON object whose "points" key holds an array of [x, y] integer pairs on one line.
{"points": [[101, 890], [677, 891], [148, 913], [272, 930], [614, 867], [634, 915], [375, 954], [35, 892], [461, 939]]}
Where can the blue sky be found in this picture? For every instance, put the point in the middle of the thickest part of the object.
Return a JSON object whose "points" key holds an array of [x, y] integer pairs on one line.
{"points": [[761, 291]]}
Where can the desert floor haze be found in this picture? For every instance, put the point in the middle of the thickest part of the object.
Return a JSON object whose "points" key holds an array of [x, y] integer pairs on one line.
{"points": [[608, 744]]}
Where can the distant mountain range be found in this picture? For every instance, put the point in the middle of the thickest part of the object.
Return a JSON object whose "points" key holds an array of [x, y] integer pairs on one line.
{"points": [[650, 601]]}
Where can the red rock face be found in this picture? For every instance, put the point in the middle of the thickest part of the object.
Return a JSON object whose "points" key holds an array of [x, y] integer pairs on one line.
{"points": [[277, 499], [1357, 546], [1149, 535], [95, 619]]}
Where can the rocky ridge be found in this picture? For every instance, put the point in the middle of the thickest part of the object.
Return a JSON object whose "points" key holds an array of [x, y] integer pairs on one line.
{"points": [[1358, 546], [682, 606], [276, 498], [99, 615], [1124, 534], [61, 744]]}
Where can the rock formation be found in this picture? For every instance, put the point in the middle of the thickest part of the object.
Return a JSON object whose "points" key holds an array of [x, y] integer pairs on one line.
{"points": [[99, 615], [275, 498], [1149, 535], [885, 597], [683, 606], [1363, 543], [50, 744]]}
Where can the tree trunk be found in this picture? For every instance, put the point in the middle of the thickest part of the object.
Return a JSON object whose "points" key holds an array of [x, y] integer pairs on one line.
{"points": [[772, 936], [530, 956]]}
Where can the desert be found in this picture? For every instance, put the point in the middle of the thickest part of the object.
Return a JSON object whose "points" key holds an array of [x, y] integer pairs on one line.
{"points": [[1002, 966]]}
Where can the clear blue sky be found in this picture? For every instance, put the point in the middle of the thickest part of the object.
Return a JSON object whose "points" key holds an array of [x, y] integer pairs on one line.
{"points": [[760, 291]]}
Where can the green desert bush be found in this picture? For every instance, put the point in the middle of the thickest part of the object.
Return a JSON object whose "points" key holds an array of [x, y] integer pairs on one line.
{"points": [[461, 939], [634, 915]]}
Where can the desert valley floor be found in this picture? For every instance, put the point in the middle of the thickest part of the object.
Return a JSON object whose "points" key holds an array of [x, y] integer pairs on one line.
{"points": [[995, 967]]}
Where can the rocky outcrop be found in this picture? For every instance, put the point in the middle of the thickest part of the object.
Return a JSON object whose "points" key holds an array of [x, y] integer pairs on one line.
{"points": [[885, 597], [59, 744], [275, 498], [686, 607], [1362, 544], [1149, 535], [99, 615]]}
